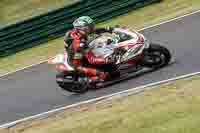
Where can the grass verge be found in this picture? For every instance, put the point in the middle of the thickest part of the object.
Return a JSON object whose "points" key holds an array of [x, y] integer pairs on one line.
{"points": [[169, 108], [12, 11], [137, 19]]}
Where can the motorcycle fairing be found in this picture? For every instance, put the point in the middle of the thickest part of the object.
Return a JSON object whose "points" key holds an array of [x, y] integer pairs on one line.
{"points": [[61, 62]]}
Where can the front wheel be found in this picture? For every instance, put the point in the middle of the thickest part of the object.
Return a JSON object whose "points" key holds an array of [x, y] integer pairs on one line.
{"points": [[68, 82], [156, 56]]}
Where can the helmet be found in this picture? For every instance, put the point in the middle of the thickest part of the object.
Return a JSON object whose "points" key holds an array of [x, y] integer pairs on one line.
{"points": [[84, 23]]}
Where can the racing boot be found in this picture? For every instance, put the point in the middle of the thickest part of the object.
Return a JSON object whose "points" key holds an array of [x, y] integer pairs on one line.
{"points": [[94, 74], [99, 79]]}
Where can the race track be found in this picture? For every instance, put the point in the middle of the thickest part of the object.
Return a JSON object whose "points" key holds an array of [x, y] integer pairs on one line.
{"points": [[33, 90]]}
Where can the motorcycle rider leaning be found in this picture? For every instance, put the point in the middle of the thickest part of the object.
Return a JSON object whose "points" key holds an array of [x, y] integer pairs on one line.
{"points": [[76, 43]]}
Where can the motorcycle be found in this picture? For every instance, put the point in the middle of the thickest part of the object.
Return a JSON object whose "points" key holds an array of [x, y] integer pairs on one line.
{"points": [[132, 54]]}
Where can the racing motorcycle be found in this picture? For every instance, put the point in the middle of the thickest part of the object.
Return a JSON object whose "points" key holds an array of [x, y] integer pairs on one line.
{"points": [[132, 52]]}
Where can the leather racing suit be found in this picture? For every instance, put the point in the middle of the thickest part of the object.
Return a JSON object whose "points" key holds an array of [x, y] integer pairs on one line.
{"points": [[75, 46]]}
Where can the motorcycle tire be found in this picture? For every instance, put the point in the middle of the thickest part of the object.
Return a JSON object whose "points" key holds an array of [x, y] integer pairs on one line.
{"points": [[156, 51], [73, 85]]}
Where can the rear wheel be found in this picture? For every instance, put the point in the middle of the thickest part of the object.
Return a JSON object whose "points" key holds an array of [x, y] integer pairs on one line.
{"points": [[68, 81], [156, 56]]}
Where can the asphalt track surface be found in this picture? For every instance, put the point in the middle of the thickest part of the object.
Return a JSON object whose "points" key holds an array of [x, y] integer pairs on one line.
{"points": [[33, 90]]}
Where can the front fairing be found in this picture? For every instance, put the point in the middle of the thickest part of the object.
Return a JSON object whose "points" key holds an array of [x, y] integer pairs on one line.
{"points": [[132, 47], [102, 52], [101, 48]]}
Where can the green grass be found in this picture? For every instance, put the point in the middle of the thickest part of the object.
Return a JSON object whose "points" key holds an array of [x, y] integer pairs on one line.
{"points": [[12, 11], [136, 19], [169, 108]]}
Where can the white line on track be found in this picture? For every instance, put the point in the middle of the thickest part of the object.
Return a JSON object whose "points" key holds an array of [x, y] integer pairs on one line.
{"points": [[133, 90], [148, 27]]}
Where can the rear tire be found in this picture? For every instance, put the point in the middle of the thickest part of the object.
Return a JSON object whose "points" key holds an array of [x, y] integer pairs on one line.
{"points": [[73, 85], [156, 56]]}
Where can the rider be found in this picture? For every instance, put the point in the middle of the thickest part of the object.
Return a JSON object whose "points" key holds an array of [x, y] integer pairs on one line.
{"points": [[76, 43]]}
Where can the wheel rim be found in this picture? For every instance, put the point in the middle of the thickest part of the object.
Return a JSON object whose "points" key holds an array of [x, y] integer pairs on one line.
{"points": [[83, 86], [156, 58]]}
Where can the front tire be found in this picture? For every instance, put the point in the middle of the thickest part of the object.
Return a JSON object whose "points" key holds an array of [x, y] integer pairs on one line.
{"points": [[156, 56], [70, 84]]}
